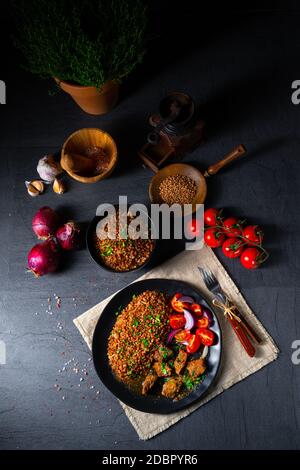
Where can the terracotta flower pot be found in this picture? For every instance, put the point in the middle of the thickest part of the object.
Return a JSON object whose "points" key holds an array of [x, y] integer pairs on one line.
{"points": [[90, 99]]}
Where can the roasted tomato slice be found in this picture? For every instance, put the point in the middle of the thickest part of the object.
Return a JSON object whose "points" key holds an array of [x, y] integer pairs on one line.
{"points": [[177, 305], [197, 309], [183, 335], [203, 322], [177, 321], [193, 344], [206, 336]]}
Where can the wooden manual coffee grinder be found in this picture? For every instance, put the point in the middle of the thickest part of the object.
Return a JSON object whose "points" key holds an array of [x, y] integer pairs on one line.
{"points": [[177, 130]]}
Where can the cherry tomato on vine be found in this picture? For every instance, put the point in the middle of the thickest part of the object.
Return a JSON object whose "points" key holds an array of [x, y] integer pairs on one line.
{"points": [[206, 336], [253, 234], [251, 258], [194, 227], [232, 227], [233, 247], [193, 344], [212, 217], [213, 237], [177, 321]]}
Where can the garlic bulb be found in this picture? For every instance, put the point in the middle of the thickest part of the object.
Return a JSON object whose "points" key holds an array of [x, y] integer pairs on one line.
{"points": [[48, 168], [59, 187], [34, 188]]}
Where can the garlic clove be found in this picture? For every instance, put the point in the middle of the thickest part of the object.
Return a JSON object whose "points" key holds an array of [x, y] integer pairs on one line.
{"points": [[35, 187], [59, 187], [48, 168]]}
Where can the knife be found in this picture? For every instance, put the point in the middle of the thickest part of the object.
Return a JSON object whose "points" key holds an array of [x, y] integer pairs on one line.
{"points": [[241, 329], [250, 331]]}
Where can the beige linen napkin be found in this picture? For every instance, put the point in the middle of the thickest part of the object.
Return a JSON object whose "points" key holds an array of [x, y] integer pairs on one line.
{"points": [[235, 364]]}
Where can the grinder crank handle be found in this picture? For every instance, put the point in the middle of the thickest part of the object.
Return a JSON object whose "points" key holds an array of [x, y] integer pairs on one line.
{"points": [[237, 152]]}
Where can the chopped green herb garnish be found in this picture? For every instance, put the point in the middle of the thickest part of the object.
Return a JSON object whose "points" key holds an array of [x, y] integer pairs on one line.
{"points": [[190, 383], [108, 251], [164, 352], [163, 368], [145, 342], [135, 322], [123, 232]]}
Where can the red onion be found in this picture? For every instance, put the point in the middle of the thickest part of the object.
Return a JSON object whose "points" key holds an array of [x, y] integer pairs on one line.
{"points": [[69, 236], [43, 258], [45, 222], [208, 314], [190, 322], [187, 299], [172, 334]]}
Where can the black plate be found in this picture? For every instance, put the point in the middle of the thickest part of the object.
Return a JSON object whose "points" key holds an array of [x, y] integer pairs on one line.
{"points": [[149, 404]]}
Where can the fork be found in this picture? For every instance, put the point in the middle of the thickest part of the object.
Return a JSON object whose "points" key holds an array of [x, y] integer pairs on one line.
{"points": [[212, 283], [240, 326]]}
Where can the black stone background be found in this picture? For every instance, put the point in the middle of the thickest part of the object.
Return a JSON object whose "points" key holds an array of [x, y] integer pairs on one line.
{"points": [[238, 64]]}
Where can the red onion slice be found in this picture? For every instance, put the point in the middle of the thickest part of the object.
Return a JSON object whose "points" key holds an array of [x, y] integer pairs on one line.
{"points": [[187, 299], [208, 314], [172, 334], [204, 352], [189, 320]]}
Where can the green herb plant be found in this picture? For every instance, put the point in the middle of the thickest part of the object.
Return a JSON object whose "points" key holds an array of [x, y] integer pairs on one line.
{"points": [[84, 42]]}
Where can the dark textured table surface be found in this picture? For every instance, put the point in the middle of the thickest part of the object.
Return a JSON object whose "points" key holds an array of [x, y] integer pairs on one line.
{"points": [[239, 68]]}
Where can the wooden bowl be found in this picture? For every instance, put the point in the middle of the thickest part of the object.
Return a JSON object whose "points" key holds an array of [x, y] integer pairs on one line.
{"points": [[179, 169], [79, 142]]}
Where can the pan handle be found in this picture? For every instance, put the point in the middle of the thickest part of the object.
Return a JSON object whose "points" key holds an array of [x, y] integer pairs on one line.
{"points": [[237, 152]]}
